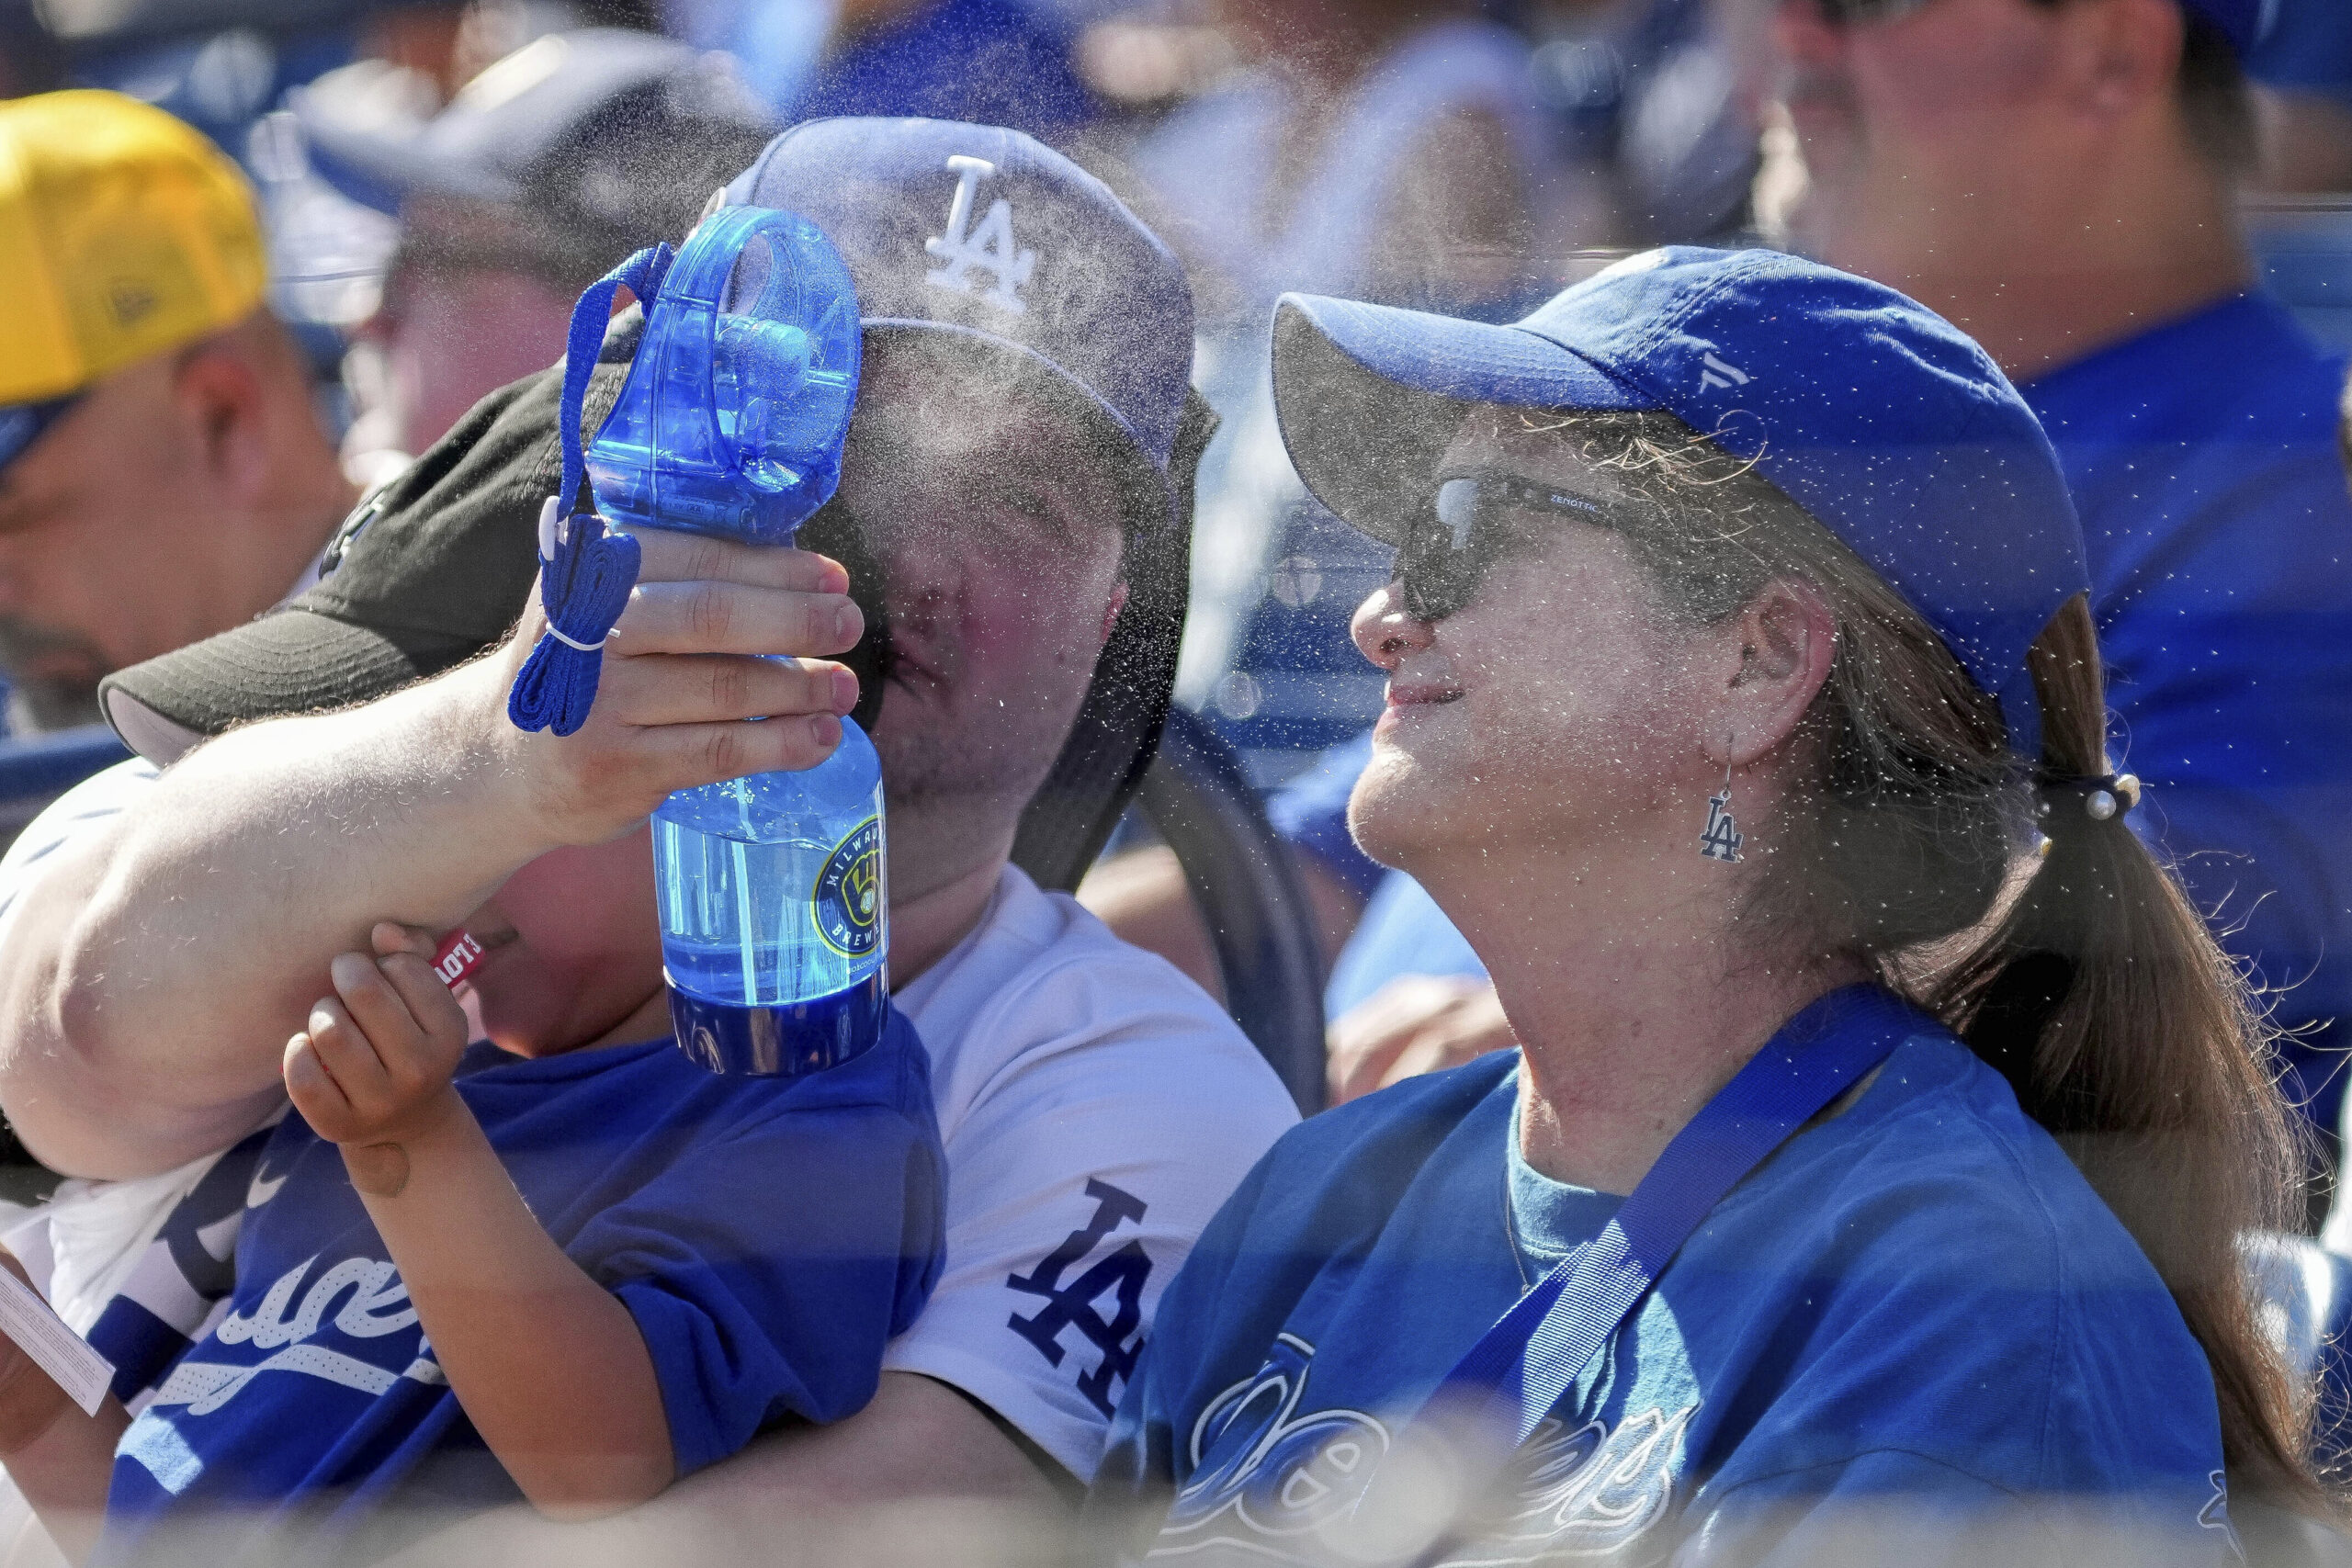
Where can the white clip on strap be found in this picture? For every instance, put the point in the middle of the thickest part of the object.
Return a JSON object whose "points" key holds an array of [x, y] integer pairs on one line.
{"points": [[555, 531], [557, 632]]}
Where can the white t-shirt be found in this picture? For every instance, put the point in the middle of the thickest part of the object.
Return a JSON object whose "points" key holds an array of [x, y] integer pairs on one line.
{"points": [[1096, 1107]]}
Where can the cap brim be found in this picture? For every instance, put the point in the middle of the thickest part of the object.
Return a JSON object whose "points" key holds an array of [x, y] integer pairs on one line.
{"points": [[384, 171], [290, 661], [1368, 397]]}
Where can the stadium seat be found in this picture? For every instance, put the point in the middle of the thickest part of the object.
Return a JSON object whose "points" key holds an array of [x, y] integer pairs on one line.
{"points": [[1242, 877]]}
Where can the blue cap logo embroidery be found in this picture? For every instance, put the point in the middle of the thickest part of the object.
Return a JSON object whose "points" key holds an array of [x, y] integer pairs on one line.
{"points": [[1721, 374]]}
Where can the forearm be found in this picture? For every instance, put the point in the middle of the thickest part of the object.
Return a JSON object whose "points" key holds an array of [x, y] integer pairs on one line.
{"points": [[550, 1366], [148, 983], [65, 1473], [918, 1455]]}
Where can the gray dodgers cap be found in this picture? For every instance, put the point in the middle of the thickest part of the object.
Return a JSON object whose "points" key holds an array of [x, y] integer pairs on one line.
{"points": [[986, 234]]}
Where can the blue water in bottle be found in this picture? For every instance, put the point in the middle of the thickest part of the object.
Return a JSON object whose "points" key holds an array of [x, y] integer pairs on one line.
{"points": [[775, 918], [774, 926]]}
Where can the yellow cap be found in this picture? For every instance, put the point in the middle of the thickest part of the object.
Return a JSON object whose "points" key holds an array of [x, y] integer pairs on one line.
{"points": [[123, 233]]}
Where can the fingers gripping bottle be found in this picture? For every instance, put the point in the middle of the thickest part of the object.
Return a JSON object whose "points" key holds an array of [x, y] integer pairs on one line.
{"points": [[774, 921]]}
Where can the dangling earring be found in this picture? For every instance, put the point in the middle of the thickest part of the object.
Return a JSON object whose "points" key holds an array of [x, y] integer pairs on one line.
{"points": [[1723, 838]]}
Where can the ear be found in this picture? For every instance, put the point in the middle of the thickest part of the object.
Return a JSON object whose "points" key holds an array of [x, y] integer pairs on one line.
{"points": [[1787, 640], [2120, 54], [1111, 611], [224, 407]]}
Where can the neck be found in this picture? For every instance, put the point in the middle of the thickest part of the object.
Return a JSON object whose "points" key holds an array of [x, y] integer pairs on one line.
{"points": [[1635, 996], [2045, 272], [925, 926], [1324, 49], [650, 1021]]}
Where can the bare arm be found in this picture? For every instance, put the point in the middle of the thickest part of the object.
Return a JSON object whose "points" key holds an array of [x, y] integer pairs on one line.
{"points": [[59, 1458], [551, 1367], [919, 1475], [149, 975], [1415, 1024], [1143, 897]]}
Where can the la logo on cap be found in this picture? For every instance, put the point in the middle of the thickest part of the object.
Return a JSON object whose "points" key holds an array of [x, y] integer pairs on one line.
{"points": [[990, 246]]}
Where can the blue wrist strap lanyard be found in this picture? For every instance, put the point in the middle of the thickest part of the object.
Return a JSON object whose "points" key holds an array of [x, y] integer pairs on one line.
{"points": [[585, 573], [1532, 1356]]}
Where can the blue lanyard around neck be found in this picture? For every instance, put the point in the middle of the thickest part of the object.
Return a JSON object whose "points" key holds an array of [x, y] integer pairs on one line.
{"points": [[1528, 1361]]}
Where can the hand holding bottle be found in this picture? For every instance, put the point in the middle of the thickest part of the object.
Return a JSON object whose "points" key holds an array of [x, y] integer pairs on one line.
{"points": [[685, 668]]}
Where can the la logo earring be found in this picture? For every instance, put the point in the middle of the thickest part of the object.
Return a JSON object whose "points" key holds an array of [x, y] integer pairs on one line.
{"points": [[1723, 839]]}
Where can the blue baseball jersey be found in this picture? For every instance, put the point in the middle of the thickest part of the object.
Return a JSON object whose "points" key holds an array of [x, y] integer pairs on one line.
{"points": [[2203, 461], [1914, 1325], [768, 1234]]}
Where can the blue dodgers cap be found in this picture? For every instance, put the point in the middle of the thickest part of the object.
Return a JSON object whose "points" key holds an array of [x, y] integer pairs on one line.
{"points": [[986, 234], [1884, 422]]}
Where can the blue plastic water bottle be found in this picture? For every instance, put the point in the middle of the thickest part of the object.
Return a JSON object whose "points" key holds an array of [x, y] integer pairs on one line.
{"points": [[774, 923]]}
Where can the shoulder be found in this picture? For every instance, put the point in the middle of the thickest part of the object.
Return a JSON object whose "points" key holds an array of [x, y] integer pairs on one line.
{"points": [[1963, 1290], [1937, 1148], [1044, 990], [2240, 372], [106, 793]]}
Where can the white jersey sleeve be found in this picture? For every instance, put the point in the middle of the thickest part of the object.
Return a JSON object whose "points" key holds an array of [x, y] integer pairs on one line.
{"points": [[1096, 1107], [71, 819]]}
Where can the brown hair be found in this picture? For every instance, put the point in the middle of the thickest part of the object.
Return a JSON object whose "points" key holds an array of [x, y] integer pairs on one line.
{"points": [[2074, 965]]}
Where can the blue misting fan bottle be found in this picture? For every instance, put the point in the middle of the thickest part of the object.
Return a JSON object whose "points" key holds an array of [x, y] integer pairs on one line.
{"points": [[774, 921]]}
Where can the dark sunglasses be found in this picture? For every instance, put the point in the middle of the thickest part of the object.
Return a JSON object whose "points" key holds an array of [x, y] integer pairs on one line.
{"points": [[1848, 13], [1448, 550]]}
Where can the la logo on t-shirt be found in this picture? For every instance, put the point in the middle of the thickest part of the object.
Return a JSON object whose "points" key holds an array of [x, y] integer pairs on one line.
{"points": [[1119, 1275]]}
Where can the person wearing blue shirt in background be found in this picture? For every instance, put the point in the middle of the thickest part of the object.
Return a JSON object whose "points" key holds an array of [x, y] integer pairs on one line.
{"points": [[2059, 179], [2303, 65], [998, 61], [1694, 736]]}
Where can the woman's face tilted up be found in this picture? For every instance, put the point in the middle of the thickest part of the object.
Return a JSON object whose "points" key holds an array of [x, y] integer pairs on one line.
{"points": [[1569, 719], [1560, 704]]}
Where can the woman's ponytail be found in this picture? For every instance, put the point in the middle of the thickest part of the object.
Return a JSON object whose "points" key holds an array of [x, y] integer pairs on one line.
{"points": [[2130, 1036]]}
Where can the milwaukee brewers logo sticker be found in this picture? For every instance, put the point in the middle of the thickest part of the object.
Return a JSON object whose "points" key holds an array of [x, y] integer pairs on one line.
{"points": [[846, 903]]}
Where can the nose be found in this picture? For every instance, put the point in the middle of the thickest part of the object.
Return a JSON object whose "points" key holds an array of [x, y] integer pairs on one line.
{"points": [[1385, 631]]}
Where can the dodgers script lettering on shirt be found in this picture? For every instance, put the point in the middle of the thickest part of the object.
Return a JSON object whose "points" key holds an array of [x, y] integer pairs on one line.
{"points": [[375, 1305], [1265, 1474]]}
